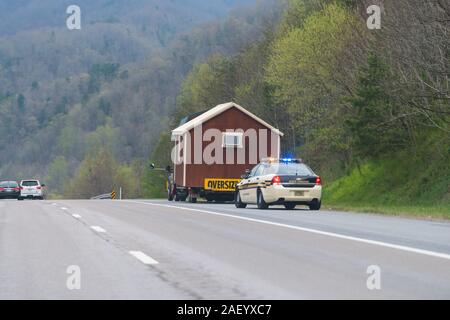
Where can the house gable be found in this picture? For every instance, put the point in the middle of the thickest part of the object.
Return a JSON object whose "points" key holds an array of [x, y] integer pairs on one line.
{"points": [[215, 112]]}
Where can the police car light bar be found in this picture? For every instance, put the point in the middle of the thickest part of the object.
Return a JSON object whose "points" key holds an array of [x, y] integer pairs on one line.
{"points": [[283, 160]]}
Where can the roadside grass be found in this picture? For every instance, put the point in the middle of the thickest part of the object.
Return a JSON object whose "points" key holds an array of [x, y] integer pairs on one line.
{"points": [[405, 184], [411, 211]]}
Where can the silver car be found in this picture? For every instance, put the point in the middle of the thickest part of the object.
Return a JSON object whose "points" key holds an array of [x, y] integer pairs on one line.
{"points": [[31, 189]]}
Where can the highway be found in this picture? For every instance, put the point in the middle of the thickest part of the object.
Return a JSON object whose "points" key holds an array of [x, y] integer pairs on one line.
{"points": [[144, 249]]}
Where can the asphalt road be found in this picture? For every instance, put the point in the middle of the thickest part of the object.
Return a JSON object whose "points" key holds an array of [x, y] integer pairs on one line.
{"points": [[161, 250]]}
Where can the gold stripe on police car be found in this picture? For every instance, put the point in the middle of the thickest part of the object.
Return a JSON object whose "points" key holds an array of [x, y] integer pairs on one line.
{"points": [[221, 184]]}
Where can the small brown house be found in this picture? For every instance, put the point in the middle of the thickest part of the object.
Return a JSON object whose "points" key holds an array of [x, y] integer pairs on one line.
{"points": [[214, 148]]}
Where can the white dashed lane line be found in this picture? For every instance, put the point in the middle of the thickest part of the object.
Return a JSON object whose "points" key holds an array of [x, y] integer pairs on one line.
{"points": [[142, 257], [98, 229]]}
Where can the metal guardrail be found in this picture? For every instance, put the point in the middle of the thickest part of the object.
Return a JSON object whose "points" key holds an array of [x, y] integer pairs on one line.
{"points": [[107, 196]]}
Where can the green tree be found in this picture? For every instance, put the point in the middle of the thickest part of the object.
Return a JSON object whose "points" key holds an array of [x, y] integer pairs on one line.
{"points": [[376, 123], [154, 181], [95, 175], [104, 137], [311, 67], [126, 178], [58, 176], [21, 102], [208, 85]]}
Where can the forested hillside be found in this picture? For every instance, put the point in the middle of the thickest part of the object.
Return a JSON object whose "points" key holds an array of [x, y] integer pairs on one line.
{"points": [[368, 109], [65, 95]]}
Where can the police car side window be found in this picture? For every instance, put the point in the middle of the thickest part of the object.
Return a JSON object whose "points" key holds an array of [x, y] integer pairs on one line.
{"points": [[253, 172], [260, 171], [267, 169]]}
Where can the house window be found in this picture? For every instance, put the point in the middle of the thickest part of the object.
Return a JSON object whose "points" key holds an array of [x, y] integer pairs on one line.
{"points": [[232, 140]]}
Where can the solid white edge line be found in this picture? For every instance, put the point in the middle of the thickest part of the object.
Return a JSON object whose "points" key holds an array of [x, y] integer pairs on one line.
{"points": [[142, 257], [98, 229], [323, 233]]}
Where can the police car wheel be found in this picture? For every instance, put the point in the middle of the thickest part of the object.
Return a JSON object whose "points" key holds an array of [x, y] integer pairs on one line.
{"points": [[238, 202], [260, 201], [315, 205]]}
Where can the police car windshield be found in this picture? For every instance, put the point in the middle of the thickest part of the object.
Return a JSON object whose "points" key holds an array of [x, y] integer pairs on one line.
{"points": [[288, 169]]}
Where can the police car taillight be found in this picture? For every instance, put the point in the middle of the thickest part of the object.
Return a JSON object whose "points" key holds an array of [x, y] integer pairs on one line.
{"points": [[318, 181], [276, 180]]}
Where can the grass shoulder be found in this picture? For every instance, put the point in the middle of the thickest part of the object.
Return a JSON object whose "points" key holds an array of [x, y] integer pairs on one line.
{"points": [[402, 184]]}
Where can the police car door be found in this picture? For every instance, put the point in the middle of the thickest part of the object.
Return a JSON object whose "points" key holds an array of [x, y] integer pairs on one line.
{"points": [[245, 192], [254, 183]]}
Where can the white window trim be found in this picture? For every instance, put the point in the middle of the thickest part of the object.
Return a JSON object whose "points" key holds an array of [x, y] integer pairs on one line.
{"points": [[233, 134]]}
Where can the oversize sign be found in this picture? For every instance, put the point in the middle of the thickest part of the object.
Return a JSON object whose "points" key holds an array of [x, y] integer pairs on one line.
{"points": [[221, 184]]}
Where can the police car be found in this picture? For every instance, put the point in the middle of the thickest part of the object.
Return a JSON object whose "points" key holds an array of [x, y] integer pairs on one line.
{"points": [[287, 182]]}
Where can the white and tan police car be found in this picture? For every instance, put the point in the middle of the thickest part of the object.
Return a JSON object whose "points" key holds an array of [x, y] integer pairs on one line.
{"points": [[287, 182]]}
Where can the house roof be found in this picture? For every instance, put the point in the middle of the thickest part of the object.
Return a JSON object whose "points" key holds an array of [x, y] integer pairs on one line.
{"points": [[215, 112]]}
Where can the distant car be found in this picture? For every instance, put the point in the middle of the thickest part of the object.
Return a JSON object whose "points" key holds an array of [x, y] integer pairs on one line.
{"points": [[9, 190], [287, 182], [31, 189]]}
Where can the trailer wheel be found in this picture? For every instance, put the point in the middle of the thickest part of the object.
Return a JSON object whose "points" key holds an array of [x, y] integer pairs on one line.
{"points": [[192, 200]]}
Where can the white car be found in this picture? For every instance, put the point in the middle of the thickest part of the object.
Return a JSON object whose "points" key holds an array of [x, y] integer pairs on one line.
{"points": [[31, 189], [287, 182]]}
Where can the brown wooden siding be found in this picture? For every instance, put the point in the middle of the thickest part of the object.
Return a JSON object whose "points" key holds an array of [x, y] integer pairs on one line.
{"points": [[230, 119]]}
